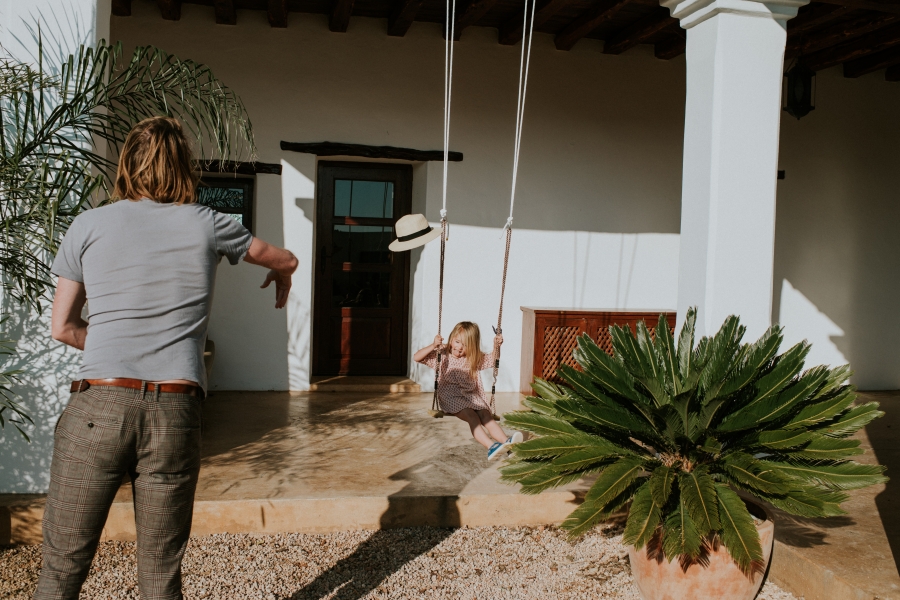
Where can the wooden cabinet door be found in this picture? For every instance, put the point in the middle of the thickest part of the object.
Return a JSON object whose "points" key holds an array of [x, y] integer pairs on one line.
{"points": [[361, 305]]}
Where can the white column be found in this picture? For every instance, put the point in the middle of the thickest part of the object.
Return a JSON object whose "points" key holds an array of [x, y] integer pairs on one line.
{"points": [[735, 57]]}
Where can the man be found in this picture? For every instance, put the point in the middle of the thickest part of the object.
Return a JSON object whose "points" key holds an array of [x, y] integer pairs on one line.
{"points": [[146, 266]]}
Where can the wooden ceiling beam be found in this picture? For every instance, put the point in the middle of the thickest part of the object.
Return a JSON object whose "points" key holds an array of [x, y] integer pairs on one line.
{"points": [[892, 73], [838, 34], [340, 16], [225, 13], [121, 8], [866, 5], [670, 48], [169, 9], [277, 13], [815, 16], [638, 32], [587, 22], [873, 62], [403, 16], [884, 38], [511, 31], [471, 15]]}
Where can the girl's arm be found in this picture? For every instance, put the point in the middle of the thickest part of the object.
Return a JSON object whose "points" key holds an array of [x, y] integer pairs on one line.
{"points": [[488, 361], [422, 354]]}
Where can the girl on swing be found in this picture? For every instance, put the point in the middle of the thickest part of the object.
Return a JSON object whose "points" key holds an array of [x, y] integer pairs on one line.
{"points": [[461, 392]]}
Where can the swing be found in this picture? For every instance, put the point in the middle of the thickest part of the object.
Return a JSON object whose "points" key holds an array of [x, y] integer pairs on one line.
{"points": [[524, 63]]}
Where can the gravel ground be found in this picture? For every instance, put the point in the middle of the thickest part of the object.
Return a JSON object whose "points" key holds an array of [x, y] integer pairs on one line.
{"points": [[468, 563]]}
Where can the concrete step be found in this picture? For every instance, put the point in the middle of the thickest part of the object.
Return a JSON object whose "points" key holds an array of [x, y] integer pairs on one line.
{"points": [[377, 384], [20, 521]]}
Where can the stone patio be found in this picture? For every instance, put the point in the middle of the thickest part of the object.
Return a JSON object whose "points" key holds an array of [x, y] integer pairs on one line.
{"points": [[314, 462]]}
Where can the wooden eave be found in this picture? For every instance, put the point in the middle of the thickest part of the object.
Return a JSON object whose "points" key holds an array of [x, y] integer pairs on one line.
{"points": [[861, 35]]}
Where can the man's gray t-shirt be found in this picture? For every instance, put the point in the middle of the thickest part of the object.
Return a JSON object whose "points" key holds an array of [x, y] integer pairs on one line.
{"points": [[148, 270]]}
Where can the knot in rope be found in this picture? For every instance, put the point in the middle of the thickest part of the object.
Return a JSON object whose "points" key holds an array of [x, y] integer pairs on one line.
{"points": [[508, 223]]}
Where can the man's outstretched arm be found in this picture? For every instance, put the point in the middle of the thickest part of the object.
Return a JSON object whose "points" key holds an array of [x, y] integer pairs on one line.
{"points": [[281, 264]]}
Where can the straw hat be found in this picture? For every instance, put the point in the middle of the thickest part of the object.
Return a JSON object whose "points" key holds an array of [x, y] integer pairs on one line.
{"points": [[413, 231]]}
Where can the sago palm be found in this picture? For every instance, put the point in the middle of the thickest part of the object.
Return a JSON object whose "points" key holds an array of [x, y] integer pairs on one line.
{"points": [[676, 428]]}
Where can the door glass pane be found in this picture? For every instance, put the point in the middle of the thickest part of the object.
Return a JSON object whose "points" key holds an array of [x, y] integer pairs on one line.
{"points": [[361, 290], [357, 198], [361, 244]]}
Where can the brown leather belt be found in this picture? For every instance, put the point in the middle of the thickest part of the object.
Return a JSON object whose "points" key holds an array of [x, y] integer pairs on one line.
{"points": [[136, 384]]}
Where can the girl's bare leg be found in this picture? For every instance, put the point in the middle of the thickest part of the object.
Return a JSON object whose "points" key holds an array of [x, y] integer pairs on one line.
{"points": [[493, 428], [471, 417]]}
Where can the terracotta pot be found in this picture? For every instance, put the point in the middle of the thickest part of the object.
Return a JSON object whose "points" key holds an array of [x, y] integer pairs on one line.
{"points": [[720, 579]]}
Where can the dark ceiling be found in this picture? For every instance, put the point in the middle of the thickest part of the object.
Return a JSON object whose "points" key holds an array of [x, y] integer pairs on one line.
{"points": [[861, 35]]}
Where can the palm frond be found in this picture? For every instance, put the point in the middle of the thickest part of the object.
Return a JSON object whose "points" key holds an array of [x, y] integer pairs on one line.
{"points": [[643, 518], [738, 530]]}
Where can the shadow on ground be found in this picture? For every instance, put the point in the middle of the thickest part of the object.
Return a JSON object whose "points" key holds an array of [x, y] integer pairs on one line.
{"points": [[883, 435], [391, 547]]}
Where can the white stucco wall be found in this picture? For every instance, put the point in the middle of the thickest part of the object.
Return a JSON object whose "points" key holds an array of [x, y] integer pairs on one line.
{"points": [[597, 211], [48, 367], [837, 260]]}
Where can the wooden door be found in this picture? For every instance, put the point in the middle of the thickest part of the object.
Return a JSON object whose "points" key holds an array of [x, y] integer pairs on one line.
{"points": [[361, 305]]}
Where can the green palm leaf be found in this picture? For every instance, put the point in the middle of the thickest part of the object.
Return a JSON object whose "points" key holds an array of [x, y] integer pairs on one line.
{"points": [[840, 476], [738, 532], [539, 424], [557, 445], [781, 439], [747, 472], [604, 369], [545, 479], [592, 511], [822, 411], [810, 503], [643, 518], [680, 534], [850, 421], [661, 484], [826, 448], [698, 492]]}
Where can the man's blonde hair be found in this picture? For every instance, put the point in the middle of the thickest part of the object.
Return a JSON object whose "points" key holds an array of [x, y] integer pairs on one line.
{"points": [[157, 163], [470, 336]]}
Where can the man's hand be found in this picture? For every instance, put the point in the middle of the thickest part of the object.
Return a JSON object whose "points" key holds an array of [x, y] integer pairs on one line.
{"points": [[282, 286], [282, 263]]}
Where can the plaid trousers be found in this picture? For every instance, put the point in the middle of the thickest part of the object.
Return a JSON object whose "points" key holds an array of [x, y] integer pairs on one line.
{"points": [[104, 433]]}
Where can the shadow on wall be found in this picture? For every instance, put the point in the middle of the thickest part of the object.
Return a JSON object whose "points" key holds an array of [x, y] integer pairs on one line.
{"points": [[48, 368], [835, 232]]}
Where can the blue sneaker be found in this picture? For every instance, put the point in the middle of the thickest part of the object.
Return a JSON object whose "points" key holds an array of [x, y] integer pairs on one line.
{"points": [[515, 438], [496, 450]]}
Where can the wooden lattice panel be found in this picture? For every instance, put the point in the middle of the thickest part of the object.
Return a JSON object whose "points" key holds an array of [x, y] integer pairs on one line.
{"points": [[550, 336], [558, 345], [604, 340]]}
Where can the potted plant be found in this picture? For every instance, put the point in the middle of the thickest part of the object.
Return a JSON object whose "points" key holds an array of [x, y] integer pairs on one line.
{"points": [[677, 429]]}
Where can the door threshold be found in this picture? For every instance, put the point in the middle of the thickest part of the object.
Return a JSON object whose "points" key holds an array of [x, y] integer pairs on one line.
{"points": [[387, 384]]}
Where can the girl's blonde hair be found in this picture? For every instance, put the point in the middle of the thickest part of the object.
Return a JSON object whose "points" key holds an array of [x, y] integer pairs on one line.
{"points": [[470, 336], [157, 163]]}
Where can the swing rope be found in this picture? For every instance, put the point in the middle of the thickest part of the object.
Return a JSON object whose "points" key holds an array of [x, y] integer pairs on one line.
{"points": [[449, 32], [524, 64]]}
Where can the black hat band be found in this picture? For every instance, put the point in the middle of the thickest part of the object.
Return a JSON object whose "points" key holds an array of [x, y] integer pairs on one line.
{"points": [[412, 236]]}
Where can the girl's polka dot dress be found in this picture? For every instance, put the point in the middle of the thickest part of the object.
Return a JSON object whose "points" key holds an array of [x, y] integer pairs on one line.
{"points": [[457, 390]]}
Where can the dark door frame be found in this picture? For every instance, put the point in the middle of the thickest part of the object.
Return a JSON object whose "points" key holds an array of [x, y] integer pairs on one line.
{"points": [[326, 173]]}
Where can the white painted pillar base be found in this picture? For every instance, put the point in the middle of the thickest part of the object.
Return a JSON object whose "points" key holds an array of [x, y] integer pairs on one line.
{"points": [[735, 56]]}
